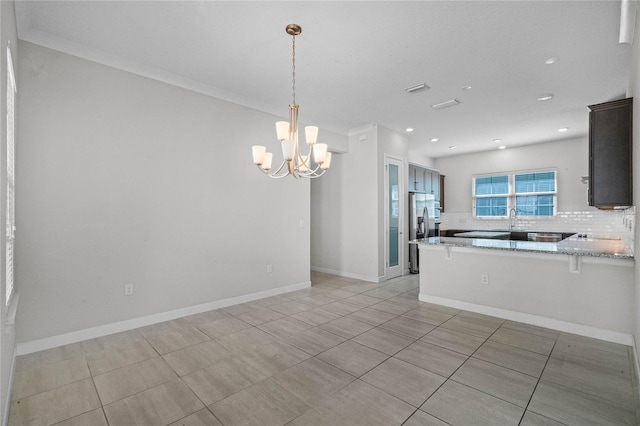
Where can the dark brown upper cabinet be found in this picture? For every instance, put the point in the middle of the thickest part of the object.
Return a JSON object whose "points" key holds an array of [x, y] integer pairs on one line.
{"points": [[610, 162]]}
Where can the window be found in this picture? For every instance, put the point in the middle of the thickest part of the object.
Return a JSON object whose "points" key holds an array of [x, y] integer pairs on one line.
{"points": [[491, 195], [535, 193], [11, 212], [530, 193]]}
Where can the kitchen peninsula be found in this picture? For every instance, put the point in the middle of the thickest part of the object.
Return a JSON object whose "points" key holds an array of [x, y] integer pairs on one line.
{"points": [[578, 285]]}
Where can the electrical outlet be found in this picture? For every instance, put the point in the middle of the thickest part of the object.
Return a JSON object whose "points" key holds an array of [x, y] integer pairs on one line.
{"points": [[484, 279], [128, 289], [269, 268]]}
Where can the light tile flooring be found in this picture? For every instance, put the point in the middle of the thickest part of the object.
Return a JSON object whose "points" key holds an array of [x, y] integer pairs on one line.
{"points": [[343, 352]]}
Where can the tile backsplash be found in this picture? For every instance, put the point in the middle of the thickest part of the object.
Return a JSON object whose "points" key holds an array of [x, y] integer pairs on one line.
{"points": [[591, 222]]}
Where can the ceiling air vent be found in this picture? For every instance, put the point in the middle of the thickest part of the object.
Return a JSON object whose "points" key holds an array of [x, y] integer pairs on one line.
{"points": [[446, 104], [416, 88]]}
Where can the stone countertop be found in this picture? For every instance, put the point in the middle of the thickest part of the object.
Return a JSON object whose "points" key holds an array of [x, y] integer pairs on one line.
{"points": [[610, 248]]}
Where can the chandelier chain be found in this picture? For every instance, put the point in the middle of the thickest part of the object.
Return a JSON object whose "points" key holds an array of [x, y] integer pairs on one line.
{"points": [[293, 68]]}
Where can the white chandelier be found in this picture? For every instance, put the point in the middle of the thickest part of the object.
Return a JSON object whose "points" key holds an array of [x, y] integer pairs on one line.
{"points": [[294, 163]]}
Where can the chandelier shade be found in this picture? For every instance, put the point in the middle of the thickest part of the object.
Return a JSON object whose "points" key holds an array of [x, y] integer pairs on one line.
{"points": [[294, 163], [266, 161]]}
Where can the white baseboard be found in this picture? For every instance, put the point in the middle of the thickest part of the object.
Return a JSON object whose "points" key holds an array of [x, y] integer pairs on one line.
{"points": [[117, 327], [554, 324], [347, 274]]}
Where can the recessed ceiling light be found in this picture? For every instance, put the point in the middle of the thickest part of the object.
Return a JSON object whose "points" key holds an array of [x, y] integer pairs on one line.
{"points": [[501, 147], [466, 88], [435, 139], [551, 61], [563, 129], [452, 147], [446, 104], [416, 87], [545, 97], [409, 129], [497, 140]]}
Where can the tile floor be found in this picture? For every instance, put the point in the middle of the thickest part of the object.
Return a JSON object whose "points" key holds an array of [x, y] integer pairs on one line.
{"points": [[343, 352]]}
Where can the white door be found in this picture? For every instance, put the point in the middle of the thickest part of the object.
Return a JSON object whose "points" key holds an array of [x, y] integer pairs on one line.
{"points": [[393, 217]]}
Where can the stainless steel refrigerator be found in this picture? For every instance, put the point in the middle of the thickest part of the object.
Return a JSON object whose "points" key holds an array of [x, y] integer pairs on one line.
{"points": [[422, 224]]}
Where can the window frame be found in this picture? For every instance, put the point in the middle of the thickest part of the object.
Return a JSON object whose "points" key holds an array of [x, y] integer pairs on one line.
{"points": [[512, 195]]}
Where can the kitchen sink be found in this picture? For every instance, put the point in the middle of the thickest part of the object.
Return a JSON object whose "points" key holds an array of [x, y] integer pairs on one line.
{"points": [[552, 237], [519, 235]]}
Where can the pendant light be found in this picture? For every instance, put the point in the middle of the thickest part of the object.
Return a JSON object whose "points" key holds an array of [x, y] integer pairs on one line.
{"points": [[294, 163]]}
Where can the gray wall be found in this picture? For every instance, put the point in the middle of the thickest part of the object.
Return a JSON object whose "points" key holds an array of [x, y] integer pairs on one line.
{"points": [[634, 91], [8, 36], [569, 157], [123, 179], [344, 206], [348, 206]]}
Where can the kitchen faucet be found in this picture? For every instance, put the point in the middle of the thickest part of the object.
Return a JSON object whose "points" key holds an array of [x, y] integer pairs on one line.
{"points": [[513, 213], [425, 222]]}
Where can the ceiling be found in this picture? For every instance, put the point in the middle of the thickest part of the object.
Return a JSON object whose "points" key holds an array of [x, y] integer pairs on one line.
{"points": [[355, 58]]}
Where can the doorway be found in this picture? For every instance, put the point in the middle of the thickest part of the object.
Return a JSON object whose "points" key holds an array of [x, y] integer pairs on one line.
{"points": [[394, 213]]}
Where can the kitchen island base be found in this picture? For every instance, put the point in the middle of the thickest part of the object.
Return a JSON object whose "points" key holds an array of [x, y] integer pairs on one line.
{"points": [[585, 295]]}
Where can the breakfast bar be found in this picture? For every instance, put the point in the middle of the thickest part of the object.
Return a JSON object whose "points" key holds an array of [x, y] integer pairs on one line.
{"points": [[579, 285]]}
